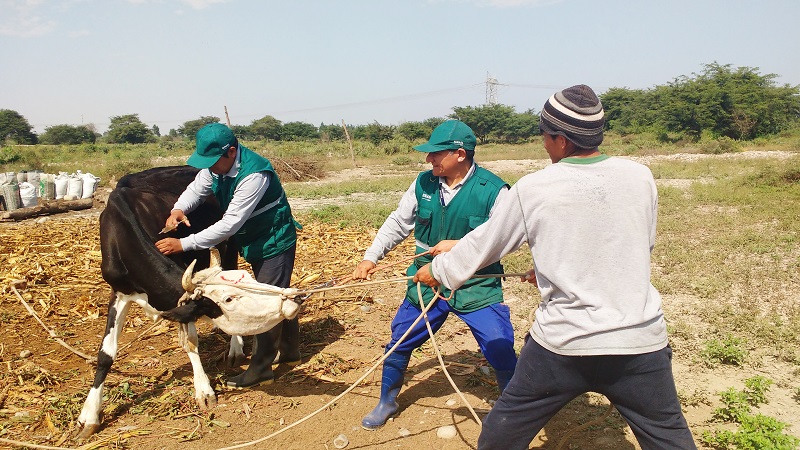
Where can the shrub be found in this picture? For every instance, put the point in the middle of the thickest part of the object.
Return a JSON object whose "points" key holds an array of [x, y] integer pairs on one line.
{"points": [[720, 145], [8, 155], [727, 351]]}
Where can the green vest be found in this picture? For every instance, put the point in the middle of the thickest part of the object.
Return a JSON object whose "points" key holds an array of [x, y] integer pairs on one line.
{"points": [[270, 232], [469, 208]]}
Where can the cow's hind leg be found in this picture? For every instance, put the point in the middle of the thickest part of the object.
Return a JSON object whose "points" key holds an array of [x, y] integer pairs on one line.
{"points": [[203, 392], [236, 352], [92, 407]]}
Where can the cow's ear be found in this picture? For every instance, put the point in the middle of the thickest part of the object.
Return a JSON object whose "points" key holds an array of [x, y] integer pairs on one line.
{"points": [[215, 259]]}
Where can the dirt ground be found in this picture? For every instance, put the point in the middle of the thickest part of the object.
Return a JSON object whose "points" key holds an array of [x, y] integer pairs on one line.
{"points": [[149, 390]]}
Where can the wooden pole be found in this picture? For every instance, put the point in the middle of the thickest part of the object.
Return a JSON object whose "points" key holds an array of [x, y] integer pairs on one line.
{"points": [[227, 119], [352, 154]]}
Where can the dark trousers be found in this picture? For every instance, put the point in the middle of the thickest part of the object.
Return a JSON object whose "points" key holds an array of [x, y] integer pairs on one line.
{"points": [[641, 387], [277, 271]]}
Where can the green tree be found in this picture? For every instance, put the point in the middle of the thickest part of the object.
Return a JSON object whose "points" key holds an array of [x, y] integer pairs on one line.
{"points": [[433, 122], [413, 130], [332, 132], [190, 128], [520, 127], [358, 132], [298, 131], [128, 129], [156, 131], [377, 133], [266, 127], [242, 132], [725, 102], [67, 135], [628, 110], [15, 128], [484, 120]]}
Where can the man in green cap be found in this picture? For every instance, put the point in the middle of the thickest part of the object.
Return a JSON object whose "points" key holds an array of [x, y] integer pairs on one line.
{"points": [[258, 217], [441, 206]]}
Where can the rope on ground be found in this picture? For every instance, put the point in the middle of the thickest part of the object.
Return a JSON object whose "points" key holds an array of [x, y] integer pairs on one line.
{"points": [[346, 391], [585, 426], [441, 362]]}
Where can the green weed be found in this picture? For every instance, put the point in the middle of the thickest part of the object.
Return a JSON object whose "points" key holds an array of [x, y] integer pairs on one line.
{"points": [[726, 351], [756, 431], [756, 389]]}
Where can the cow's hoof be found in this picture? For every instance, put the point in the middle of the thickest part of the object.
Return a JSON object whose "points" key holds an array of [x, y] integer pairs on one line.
{"points": [[207, 402], [248, 379], [87, 432], [237, 360]]}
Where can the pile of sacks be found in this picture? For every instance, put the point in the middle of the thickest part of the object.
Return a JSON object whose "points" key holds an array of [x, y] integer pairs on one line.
{"points": [[24, 189]]}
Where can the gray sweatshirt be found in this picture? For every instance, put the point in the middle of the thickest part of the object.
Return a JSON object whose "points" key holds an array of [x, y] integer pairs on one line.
{"points": [[591, 226]]}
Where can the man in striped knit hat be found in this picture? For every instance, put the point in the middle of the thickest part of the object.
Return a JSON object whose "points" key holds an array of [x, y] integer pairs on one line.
{"points": [[590, 222]]}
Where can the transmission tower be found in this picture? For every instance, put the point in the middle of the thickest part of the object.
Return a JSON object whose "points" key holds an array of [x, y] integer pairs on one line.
{"points": [[491, 89]]}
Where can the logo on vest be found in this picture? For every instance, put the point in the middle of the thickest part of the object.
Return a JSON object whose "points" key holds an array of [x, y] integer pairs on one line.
{"points": [[426, 197]]}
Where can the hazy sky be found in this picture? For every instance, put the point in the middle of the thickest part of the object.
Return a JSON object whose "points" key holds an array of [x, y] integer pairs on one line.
{"points": [[320, 61]]}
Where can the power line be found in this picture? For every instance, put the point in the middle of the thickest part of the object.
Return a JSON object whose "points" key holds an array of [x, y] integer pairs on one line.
{"points": [[377, 101]]}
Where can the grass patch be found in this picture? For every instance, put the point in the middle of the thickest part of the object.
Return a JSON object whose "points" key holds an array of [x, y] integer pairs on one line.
{"points": [[385, 184], [357, 215]]}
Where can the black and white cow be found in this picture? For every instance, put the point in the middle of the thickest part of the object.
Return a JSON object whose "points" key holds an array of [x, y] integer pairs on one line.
{"points": [[138, 273]]}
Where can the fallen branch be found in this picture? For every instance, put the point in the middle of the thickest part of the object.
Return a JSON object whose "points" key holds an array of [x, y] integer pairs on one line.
{"points": [[48, 207], [49, 331]]}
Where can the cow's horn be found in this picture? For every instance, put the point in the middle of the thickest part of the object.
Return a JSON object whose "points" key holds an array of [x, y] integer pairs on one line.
{"points": [[186, 281], [215, 259]]}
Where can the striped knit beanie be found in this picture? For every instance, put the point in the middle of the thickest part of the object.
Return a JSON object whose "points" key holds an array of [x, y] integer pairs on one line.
{"points": [[575, 113]]}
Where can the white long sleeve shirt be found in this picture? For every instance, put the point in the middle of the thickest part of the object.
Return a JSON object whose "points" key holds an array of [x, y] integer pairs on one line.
{"points": [[591, 226], [402, 220], [245, 198]]}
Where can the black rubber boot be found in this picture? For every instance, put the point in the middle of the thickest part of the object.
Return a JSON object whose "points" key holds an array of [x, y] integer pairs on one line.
{"points": [[289, 348], [394, 368], [260, 369]]}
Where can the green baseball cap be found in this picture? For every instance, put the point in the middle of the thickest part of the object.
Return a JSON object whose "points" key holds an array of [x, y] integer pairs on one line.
{"points": [[213, 141], [450, 135]]}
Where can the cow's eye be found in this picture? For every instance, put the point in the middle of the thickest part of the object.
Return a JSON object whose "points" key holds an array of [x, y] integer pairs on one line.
{"points": [[228, 299]]}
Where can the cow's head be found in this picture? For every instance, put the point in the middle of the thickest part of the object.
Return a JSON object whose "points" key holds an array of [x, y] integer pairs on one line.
{"points": [[247, 306]]}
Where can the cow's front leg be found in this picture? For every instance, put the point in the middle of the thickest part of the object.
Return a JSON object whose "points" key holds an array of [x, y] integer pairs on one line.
{"points": [[203, 392], [236, 352], [93, 406]]}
